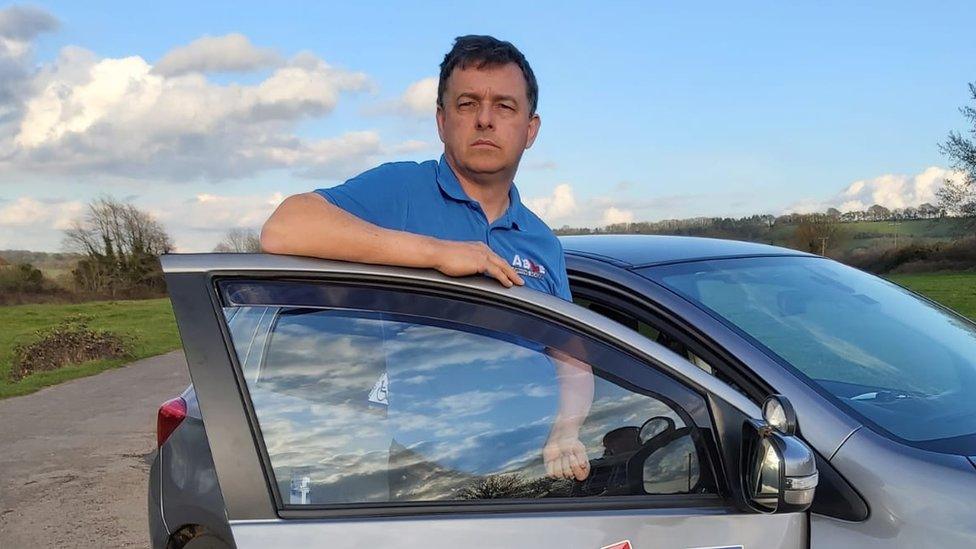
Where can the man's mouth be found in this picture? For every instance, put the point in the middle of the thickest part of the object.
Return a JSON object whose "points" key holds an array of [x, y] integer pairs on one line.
{"points": [[485, 143]]}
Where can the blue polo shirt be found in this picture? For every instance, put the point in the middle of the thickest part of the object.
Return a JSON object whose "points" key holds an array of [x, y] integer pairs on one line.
{"points": [[426, 198]]}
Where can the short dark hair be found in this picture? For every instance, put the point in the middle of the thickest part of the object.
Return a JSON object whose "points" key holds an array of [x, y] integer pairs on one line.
{"points": [[486, 51]]}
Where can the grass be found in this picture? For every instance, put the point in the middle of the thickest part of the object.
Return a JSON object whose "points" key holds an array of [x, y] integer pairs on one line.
{"points": [[885, 234], [949, 227], [954, 290], [148, 326]]}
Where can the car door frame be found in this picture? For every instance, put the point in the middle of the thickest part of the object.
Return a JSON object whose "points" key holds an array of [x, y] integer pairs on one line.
{"points": [[242, 474], [827, 427]]}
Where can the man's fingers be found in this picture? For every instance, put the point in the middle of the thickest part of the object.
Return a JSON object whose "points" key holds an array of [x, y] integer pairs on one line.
{"points": [[567, 468], [496, 272], [509, 271], [578, 471]]}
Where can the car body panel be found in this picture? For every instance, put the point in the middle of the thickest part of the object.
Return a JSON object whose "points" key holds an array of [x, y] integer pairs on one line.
{"points": [[918, 498], [704, 528], [644, 250]]}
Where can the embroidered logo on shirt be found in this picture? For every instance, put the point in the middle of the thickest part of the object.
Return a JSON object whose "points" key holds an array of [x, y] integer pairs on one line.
{"points": [[526, 267]]}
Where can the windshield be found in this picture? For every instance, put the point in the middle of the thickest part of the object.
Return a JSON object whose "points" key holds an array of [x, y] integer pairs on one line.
{"points": [[901, 362]]}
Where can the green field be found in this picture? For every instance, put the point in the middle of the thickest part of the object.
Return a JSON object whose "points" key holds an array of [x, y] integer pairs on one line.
{"points": [[148, 325], [885, 234], [956, 291]]}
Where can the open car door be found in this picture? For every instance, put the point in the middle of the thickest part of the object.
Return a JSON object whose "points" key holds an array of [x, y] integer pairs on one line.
{"points": [[387, 407]]}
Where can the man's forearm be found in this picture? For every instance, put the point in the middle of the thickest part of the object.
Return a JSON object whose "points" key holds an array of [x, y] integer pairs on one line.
{"points": [[309, 225], [576, 386]]}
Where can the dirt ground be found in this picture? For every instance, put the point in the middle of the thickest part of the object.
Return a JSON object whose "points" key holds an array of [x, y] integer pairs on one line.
{"points": [[74, 458]]}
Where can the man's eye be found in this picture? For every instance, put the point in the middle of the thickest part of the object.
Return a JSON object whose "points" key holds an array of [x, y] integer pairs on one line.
{"points": [[464, 104], [507, 107]]}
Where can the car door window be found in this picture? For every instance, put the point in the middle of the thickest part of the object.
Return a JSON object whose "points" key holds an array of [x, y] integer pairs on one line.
{"points": [[369, 407], [647, 331]]}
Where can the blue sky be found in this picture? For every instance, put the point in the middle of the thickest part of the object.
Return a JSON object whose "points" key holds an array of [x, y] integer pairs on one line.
{"points": [[649, 111]]}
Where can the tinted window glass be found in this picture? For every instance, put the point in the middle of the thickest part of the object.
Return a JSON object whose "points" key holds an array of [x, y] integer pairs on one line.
{"points": [[905, 364], [372, 408]]}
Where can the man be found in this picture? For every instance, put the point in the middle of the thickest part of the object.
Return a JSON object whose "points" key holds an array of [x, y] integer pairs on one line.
{"points": [[461, 215]]}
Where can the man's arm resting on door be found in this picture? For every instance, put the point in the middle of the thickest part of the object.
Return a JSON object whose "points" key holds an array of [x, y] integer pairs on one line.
{"points": [[309, 225]]}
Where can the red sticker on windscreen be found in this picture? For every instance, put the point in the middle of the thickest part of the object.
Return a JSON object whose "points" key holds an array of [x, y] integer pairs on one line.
{"points": [[625, 544]]}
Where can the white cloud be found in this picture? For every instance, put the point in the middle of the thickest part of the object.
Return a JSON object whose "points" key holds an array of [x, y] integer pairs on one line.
{"points": [[19, 25], [555, 207], [199, 222], [614, 215], [26, 211], [420, 98], [231, 52], [889, 190], [81, 115], [219, 212]]}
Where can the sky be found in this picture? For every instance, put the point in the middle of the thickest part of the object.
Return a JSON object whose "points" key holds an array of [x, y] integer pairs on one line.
{"points": [[208, 114]]}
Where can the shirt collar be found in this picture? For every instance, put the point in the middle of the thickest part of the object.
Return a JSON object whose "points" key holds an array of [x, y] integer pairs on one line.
{"points": [[514, 216]]}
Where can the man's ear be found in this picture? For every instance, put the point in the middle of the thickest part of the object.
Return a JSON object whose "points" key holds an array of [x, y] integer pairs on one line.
{"points": [[440, 122], [533, 130]]}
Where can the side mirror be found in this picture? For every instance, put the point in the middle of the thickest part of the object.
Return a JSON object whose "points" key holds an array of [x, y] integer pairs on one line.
{"points": [[779, 470]]}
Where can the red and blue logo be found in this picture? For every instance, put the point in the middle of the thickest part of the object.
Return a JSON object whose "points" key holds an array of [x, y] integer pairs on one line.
{"points": [[526, 267]]}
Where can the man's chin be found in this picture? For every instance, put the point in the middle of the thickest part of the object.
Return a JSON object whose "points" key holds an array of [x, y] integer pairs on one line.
{"points": [[486, 164]]}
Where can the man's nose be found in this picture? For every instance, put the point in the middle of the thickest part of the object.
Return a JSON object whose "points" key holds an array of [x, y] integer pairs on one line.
{"points": [[485, 119]]}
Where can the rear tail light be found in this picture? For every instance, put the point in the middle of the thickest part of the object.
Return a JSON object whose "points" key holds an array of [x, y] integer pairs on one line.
{"points": [[170, 415]]}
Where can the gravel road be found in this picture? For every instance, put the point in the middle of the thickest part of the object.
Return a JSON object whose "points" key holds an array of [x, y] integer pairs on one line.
{"points": [[74, 457]]}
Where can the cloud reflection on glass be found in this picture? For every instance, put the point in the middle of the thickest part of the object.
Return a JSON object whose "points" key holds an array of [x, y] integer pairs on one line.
{"points": [[465, 416]]}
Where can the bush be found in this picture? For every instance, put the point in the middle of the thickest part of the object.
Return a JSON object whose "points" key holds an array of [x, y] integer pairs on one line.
{"points": [[917, 258], [22, 277], [70, 342], [22, 283]]}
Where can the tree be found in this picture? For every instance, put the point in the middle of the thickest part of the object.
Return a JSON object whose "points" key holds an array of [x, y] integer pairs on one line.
{"points": [[240, 241], [959, 196], [122, 245], [818, 234], [928, 211], [878, 212]]}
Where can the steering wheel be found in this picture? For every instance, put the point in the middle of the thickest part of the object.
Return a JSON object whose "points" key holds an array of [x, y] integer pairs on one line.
{"points": [[635, 465], [653, 427], [625, 450]]}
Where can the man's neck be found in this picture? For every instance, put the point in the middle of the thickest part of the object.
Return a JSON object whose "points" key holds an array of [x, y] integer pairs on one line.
{"points": [[488, 190]]}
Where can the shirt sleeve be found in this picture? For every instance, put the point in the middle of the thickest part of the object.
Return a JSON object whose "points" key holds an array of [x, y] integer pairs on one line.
{"points": [[379, 196]]}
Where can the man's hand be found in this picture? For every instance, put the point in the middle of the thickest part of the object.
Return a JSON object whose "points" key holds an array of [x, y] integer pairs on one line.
{"points": [[467, 258], [565, 457]]}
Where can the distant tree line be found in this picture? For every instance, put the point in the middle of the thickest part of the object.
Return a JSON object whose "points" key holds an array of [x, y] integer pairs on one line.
{"points": [[761, 223]]}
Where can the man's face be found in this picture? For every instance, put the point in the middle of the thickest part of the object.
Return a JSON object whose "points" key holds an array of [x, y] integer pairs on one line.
{"points": [[484, 121]]}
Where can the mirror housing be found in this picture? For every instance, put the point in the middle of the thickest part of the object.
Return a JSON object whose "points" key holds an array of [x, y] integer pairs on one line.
{"points": [[779, 414], [778, 470]]}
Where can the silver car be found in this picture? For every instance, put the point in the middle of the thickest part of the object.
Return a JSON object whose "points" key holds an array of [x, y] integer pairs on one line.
{"points": [[740, 395]]}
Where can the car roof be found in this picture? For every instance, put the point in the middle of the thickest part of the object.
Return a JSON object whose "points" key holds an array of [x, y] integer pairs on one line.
{"points": [[641, 250]]}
